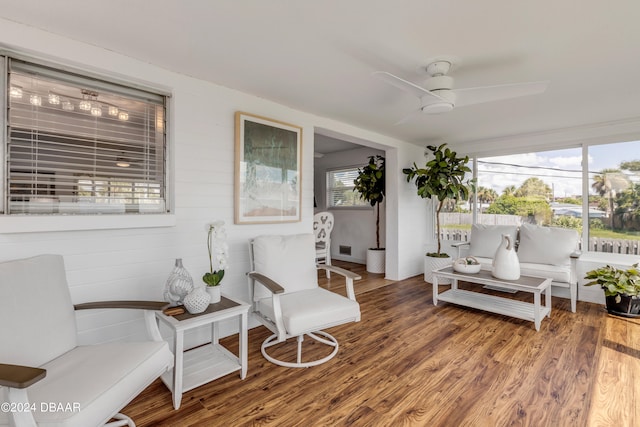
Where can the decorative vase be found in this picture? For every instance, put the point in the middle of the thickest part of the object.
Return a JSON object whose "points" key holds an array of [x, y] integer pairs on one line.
{"points": [[506, 265], [214, 293], [197, 300], [179, 284]]}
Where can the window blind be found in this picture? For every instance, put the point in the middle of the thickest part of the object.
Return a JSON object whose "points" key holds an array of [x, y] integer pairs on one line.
{"points": [[340, 189], [82, 145]]}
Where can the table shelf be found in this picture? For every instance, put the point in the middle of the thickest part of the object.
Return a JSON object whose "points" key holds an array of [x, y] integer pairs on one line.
{"points": [[200, 365], [494, 304], [204, 364]]}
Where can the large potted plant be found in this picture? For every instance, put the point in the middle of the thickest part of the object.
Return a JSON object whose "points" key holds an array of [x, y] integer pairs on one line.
{"points": [[370, 184], [621, 288], [442, 178]]}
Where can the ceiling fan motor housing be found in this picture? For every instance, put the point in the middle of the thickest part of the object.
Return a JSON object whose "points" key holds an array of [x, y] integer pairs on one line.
{"points": [[434, 106]]}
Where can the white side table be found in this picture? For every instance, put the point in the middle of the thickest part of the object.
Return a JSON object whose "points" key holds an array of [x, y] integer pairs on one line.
{"points": [[208, 362]]}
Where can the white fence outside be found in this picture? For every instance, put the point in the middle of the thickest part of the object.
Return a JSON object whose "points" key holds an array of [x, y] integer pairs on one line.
{"points": [[596, 244]]}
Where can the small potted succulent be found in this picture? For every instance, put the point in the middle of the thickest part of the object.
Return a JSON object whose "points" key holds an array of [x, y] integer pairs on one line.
{"points": [[621, 288]]}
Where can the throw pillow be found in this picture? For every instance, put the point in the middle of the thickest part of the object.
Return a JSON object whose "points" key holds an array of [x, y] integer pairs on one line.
{"points": [[485, 239], [546, 245]]}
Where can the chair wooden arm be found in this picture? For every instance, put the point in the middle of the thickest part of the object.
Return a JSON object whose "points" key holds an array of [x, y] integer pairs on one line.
{"points": [[349, 277], [459, 246], [341, 271], [149, 308], [268, 283], [138, 305], [576, 254], [17, 376]]}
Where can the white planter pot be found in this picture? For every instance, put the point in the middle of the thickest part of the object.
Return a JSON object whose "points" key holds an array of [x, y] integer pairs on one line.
{"points": [[214, 293], [433, 263], [375, 260]]}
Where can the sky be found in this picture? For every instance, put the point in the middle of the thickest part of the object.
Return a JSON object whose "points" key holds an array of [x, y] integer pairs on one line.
{"points": [[560, 169]]}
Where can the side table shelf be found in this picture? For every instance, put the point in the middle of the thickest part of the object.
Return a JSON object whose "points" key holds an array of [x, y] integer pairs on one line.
{"points": [[203, 364]]}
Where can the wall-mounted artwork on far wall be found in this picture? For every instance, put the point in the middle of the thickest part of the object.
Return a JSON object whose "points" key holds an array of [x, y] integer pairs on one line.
{"points": [[268, 170]]}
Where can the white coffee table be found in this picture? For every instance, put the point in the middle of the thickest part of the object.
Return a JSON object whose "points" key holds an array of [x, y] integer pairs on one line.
{"points": [[509, 307], [200, 365]]}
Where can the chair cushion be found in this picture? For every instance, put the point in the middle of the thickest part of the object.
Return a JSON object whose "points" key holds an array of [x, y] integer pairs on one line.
{"points": [[546, 245], [289, 260], [312, 310], [98, 379], [37, 316], [485, 239]]}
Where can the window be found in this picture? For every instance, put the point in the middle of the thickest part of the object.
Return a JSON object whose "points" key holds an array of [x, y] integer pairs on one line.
{"points": [[614, 198], [598, 195], [340, 192], [81, 145]]}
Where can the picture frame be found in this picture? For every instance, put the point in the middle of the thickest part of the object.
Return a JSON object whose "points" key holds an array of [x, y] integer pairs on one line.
{"points": [[268, 170]]}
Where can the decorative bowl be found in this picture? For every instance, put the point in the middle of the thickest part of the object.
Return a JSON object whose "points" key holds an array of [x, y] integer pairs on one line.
{"points": [[468, 265]]}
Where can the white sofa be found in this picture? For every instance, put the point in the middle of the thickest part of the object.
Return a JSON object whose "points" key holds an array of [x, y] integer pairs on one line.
{"points": [[542, 252]]}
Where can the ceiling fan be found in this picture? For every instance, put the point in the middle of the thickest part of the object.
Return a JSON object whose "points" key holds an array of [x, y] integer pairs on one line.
{"points": [[438, 95]]}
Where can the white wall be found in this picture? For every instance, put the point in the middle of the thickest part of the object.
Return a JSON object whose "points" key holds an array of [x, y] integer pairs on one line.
{"points": [[353, 227], [130, 263]]}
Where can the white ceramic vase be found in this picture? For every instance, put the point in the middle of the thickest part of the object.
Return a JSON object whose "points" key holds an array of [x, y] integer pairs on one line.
{"points": [[506, 265], [214, 293], [197, 301]]}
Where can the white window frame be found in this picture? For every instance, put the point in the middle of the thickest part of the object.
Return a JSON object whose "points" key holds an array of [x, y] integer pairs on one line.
{"points": [[20, 223]]}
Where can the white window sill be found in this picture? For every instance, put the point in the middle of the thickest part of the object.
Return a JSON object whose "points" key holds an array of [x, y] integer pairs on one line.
{"points": [[45, 223]]}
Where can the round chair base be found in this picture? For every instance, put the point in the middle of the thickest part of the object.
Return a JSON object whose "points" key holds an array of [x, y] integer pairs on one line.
{"points": [[318, 336]]}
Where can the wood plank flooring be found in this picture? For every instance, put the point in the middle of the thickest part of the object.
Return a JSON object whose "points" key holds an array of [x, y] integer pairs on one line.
{"points": [[408, 363]]}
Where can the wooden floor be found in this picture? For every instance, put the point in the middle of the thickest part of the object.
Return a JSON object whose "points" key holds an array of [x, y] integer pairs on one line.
{"points": [[408, 363]]}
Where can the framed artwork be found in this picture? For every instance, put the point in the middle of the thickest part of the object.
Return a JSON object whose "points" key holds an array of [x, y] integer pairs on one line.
{"points": [[267, 170]]}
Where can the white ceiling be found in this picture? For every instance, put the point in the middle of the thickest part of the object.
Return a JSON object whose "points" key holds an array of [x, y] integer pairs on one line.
{"points": [[318, 56]]}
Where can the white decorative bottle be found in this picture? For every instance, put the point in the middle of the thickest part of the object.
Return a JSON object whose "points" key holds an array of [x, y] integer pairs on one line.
{"points": [[506, 265], [179, 284]]}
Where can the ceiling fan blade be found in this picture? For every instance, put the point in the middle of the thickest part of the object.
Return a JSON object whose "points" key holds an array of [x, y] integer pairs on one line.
{"points": [[405, 85], [408, 118], [478, 95]]}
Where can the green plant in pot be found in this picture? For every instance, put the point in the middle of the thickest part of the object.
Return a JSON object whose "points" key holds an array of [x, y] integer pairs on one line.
{"points": [[621, 288], [370, 185], [442, 178]]}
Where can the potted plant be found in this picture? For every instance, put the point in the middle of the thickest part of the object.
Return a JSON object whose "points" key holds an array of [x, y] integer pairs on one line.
{"points": [[370, 184], [218, 259], [442, 178], [621, 288]]}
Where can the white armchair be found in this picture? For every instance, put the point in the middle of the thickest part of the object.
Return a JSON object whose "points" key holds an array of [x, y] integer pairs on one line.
{"points": [[45, 376], [287, 299]]}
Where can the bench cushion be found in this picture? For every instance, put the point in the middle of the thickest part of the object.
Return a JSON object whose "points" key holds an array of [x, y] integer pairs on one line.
{"points": [[485, 239], [546, 245]]}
